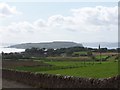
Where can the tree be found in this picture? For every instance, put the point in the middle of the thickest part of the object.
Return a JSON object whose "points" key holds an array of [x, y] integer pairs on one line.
{"points": [[50, 52]]}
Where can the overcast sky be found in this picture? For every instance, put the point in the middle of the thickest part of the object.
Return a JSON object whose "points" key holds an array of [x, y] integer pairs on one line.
{"points": [[24, 22]]}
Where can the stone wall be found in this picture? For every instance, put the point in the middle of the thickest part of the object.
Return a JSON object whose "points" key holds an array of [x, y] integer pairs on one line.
{"points": [[57, 81]]}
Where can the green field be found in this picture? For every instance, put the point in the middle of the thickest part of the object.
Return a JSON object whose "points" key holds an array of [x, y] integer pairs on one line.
{"points": [[102, 56], [82, 66], [106, 69], [67, 58], [56, 65], [80, 53], [79, 69]]}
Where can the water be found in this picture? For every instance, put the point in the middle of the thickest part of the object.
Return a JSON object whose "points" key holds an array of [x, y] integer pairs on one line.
{"points": [[8, 50], [96, 47]]}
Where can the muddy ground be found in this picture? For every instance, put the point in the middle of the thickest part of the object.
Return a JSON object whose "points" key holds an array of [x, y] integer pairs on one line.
{"points": [[13, 84]]}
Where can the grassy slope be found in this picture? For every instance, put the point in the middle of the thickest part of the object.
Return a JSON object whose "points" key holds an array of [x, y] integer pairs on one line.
{"points": [[56, 65], [66, 63], [102, 56], [82, 52], [76, 68], [106, 69]]}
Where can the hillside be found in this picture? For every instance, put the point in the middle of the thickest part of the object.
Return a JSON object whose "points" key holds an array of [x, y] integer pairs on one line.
{"points": [[46, 45]]}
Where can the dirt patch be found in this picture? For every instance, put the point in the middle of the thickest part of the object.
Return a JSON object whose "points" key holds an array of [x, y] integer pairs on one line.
{"points": [[12, 64], [108, 53], [13, 84]]}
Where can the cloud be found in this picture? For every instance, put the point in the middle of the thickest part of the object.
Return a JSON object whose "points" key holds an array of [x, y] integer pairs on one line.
{"points": [[98, 15], [84, 24], [21, 27], [7, 11], [57, 20], [40, 23]]}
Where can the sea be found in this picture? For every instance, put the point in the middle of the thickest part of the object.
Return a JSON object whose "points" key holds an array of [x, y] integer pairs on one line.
{"points": [[8, 50]]}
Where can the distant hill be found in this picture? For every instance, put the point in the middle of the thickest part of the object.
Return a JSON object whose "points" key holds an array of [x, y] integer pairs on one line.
{"points": [[47, 45]]}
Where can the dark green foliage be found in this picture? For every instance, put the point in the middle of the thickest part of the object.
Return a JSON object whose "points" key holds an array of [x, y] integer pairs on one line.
{"points": [[43, 52], [13, 56], [53, 52]]}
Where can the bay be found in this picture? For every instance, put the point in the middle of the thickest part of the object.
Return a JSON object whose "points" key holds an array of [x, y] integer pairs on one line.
{"points": [[8, 50]]}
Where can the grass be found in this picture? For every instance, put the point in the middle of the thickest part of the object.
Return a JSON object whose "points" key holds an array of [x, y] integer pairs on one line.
{"points": [[79, 53], [65, 63], [106, 69], [37, 69], [67, 58], [74, 66], [71, 68], [102, 56], [55, 65]]}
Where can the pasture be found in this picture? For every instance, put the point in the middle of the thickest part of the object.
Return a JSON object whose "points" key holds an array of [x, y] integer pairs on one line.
{"points": [[97, 70], [72, 66], [104, 70]]}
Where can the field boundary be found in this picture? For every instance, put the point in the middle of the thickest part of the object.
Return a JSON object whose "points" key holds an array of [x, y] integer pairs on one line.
{"points": [[40, 80]]}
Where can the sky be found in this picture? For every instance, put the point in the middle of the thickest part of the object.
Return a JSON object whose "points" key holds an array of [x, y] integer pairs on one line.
{"points": [[27, 22]]}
